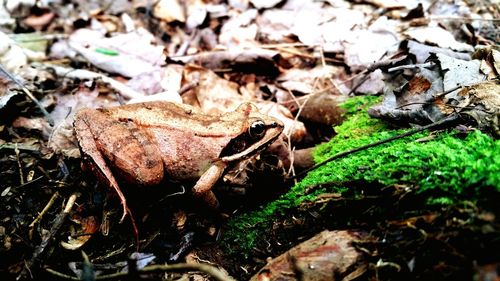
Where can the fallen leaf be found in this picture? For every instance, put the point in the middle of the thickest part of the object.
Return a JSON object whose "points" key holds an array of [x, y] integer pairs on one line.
{"points": [[265, 4], [89, 225], [448, 86], [366, 47], [326, 256], [129, 54], [169, 11], [12, 57], [215, 95], [255, 60], [323, 108], [482, 103], [458, 72], [306, 80], [422, 51], [5, 93], [197, 13], [40, 21], [438, 36], [239, 30]]}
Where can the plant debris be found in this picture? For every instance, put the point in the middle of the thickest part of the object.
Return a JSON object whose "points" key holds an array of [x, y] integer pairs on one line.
{"points": [[369, 77]]}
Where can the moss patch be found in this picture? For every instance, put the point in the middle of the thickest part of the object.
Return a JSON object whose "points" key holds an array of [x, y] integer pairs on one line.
{"points": [[452, 165], [448, 167]]}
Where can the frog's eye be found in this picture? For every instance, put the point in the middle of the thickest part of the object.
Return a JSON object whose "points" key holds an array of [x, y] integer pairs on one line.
{"points": [[257, 129]]}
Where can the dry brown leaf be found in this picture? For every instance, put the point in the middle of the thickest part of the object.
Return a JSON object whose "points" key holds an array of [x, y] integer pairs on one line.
{"points": [[323, 108], [40, 21], [436, 35], [239, 30], [61, 138], [482, 103], [169, 11], [324, 257], [12, 57], [216, 95], [265, 4], [37, 123], [255, 60], [88, 226], [431, 94], [128, 54]]}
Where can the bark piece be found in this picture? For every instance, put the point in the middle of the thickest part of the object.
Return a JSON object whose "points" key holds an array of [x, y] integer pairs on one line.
{"points": [[327, 256]]}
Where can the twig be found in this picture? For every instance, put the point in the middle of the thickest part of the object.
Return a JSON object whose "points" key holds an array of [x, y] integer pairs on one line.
{"points": [[88, 272], [21, 174], [351, 78], [449, 91], [443, 121], [361, 82], [285, 45], [28, 93], [58, 222], [72, 73], [410, 66], [432, 98], [366, 72], [40, 37], [45, 209], [109, 255], [29, 182], [61, 275], [214, 272], [19, 146], [462, 19], [306, 97]]}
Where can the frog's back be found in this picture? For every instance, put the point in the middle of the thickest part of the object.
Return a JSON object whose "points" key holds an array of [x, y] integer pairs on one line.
{"points": [[177, 116], [189, 141]]}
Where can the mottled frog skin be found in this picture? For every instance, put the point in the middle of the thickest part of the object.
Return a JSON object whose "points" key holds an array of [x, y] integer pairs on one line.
{"points": [[143, 143]]}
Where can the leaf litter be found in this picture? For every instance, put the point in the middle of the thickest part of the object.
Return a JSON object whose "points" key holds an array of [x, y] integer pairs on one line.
{"points": [[296, 60]]}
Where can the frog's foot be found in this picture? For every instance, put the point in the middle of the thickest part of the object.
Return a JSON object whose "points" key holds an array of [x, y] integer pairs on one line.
{"points": [[209, 198], [202, 188], [112, 182], [125, 209], [134, 227], [104, 170]]}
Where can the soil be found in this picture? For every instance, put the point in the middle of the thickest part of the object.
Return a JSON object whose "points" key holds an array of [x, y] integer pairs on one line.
{"points": [[412, 241]]}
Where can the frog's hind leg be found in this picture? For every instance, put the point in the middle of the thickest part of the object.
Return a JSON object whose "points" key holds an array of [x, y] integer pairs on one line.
{"points": [[92, 154]]}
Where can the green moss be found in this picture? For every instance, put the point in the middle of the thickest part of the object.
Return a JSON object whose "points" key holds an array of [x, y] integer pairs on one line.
{"points": [[454, 166], [447, 167]]}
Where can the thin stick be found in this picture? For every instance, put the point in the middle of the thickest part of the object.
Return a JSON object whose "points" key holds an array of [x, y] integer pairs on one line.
{"points": [[28, 93], [83, 74], [40, 249], [214, 272], [443, 121], [463, 19], [45, 209], [410, 66], [285, 45], [19, 165]]}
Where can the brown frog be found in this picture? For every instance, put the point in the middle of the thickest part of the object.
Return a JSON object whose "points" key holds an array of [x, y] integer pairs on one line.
{"points": [[145, 142]]}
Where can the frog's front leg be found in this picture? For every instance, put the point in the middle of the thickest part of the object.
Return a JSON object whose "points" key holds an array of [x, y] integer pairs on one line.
{"points": [[121, 145], [203, 187]]}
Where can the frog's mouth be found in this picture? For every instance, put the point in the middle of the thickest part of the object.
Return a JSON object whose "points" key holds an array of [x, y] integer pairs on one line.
{"points": [[244, 146]]}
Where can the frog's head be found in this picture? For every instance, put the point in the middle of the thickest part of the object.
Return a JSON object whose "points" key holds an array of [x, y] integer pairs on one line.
{"points": [[257, 133]]}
